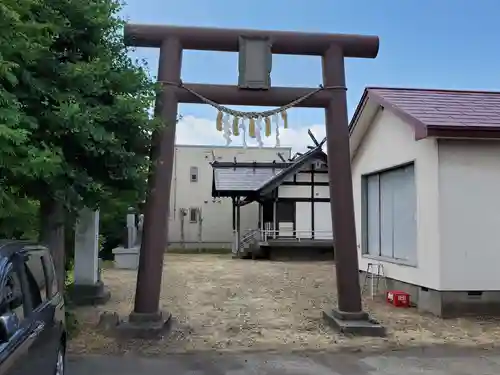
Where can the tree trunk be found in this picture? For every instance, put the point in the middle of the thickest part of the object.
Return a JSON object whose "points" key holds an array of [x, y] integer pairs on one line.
{"points": [[52, 234]]}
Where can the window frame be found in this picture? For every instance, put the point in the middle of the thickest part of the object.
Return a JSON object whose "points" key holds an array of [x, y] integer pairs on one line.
{"points": [[50, 271], [38, 251], [196, 211], [193, 172], [12, 266], [365, 214]]}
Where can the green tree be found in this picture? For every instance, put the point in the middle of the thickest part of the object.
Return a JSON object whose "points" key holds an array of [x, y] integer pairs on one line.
{"points": [[22, 43], [84, 124]]}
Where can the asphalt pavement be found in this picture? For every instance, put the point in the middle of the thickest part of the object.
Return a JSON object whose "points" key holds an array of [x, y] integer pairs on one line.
{"points": [[422, 362]]}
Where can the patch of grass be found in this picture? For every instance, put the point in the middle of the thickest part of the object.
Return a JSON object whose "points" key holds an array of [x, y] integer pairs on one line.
{"points": [[71, 320], [72, 325], [199, 251], [107, 264], [70, 277]]}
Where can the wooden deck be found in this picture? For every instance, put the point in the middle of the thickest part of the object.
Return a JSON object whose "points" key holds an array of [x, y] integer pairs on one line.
{"points": [[291, 248], [296, 243]]}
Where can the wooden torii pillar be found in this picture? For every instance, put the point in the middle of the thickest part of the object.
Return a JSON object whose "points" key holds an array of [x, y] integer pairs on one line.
{"points": [[332, 48]]}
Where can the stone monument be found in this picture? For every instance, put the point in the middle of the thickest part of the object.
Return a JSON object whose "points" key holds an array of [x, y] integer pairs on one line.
{"points": [[140, 227], [127, 256], [131, 228], [88, 288]]}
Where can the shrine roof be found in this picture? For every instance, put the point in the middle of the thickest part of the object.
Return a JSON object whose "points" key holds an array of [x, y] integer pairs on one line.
{"points": [[232, 180], [254, 180]]}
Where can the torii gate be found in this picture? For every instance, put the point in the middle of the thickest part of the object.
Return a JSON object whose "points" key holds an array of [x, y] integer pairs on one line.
{"points": [[253, 89]]}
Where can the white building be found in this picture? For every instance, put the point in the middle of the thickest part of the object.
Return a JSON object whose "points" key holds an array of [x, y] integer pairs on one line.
{"points": [[426, 179], [196, 218]]}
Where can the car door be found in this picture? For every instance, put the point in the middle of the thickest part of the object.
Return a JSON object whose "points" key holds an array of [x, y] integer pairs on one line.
{"points": [[43, 350], [14, 351], [56, 297]]}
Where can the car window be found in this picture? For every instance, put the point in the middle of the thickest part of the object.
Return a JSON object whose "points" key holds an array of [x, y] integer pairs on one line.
{"points": [[11, 299], [36, 278], [50, 274]]}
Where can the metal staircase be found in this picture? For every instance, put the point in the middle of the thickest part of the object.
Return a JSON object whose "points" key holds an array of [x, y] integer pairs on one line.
{"points": [[247, 241]]}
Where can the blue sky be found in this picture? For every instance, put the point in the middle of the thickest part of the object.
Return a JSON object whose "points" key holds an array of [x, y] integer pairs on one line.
{"points": [[423, 43]]}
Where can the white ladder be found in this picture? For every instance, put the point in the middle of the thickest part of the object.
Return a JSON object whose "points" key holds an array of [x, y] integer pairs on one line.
{"points": [[374, 272]]}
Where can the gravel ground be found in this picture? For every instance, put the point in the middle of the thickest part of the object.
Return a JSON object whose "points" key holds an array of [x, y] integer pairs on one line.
{"points": [[237, 305]]}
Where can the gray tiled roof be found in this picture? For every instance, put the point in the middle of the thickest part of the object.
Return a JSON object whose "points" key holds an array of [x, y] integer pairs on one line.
{"points": [[242, 179], [445, 107]]}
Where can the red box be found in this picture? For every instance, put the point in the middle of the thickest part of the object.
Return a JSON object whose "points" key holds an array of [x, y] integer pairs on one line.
{"points": [[398, 298]]}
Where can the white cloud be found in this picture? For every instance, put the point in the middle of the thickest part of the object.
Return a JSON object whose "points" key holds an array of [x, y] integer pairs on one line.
{"points": [[199, 131]]}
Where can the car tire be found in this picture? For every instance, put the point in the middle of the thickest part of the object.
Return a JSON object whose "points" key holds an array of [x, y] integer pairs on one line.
{"points": [[61, 361]]}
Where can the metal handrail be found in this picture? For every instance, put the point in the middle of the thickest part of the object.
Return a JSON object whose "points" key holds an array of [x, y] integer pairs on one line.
{"points": [[250, 234], [244, 240]]}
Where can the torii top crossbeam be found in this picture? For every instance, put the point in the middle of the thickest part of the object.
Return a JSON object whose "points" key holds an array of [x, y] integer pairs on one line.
{"points": [[283, 42]]}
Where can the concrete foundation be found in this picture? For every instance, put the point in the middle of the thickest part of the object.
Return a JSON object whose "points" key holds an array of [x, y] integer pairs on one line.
{"points": [[136, 326], [127, 259], [177, 245], [447, 304], [353, 324], [96, 294]]}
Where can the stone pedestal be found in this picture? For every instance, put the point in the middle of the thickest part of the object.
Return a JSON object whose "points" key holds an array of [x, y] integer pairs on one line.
{"points": [[355, 324], [87, 288], [83, 295], [127, 259], [137, 326]]}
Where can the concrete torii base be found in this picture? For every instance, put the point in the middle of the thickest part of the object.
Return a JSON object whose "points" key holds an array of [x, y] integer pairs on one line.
{"points": [[136, 326], [355, 324]]}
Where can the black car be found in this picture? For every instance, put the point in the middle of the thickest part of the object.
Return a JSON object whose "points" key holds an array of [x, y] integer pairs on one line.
{"points": [[32, 316]]}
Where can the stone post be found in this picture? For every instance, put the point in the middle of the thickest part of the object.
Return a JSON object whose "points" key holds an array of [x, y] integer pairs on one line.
{"points": [[88, 288], [131, 230], [127, 256]]}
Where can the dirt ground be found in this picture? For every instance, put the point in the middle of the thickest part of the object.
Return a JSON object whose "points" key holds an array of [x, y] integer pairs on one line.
{"points": [[231, 304]]}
